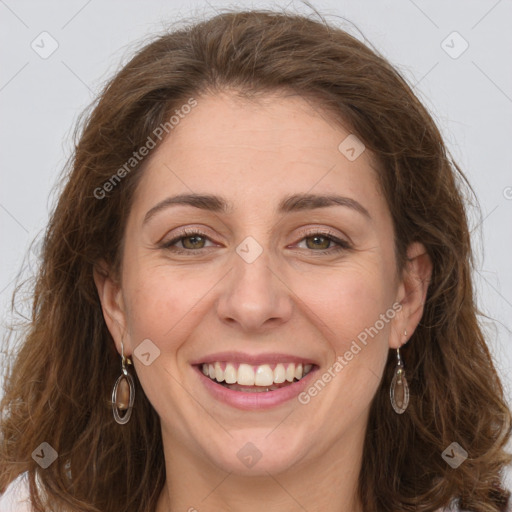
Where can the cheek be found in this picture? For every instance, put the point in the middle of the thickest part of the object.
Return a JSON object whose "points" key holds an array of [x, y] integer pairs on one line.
{"points": [[355, 314], [160, 301], [162, 306], [349, 299]]}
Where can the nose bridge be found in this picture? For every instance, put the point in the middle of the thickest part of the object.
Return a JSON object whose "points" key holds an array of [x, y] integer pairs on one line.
{"points": [[252, 268], [253, 294]]}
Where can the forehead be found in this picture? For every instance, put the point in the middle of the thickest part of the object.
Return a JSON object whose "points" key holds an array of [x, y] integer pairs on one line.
{"points": [[258, 151]]}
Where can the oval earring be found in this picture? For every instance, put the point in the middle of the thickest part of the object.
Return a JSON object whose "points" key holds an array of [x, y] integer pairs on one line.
{"points": [[123, 394], [399, 389]]}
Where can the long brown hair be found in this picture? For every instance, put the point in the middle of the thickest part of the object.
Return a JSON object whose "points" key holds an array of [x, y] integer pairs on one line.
{"points": [[59, 387]]}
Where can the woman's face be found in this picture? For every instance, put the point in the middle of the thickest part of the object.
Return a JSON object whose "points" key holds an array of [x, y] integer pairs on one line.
{"points": [[260, 287]]}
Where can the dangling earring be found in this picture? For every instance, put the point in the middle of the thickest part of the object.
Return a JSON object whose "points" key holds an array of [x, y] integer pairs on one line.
{"points": [[399, 390], [123, 393]]}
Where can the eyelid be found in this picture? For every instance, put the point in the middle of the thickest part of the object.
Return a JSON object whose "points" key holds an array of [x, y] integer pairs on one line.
{"points": [[184, 232], [325, 231]]}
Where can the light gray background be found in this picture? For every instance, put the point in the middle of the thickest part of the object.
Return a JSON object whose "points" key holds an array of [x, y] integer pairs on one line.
{"points": [[470, 97]]}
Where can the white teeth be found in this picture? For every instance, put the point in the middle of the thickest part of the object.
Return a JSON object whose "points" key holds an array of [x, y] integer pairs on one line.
{"points": [[230, 374], [245, 375], [219, 374], [261, 375], [298, 371], [279, 374], [264, 376]]}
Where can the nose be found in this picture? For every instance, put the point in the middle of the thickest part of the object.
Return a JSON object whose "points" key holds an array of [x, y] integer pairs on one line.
{"points": [[255, 296]]}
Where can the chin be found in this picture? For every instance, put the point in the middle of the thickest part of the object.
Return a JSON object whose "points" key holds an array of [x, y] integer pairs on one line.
{"points": [[254, 453]]}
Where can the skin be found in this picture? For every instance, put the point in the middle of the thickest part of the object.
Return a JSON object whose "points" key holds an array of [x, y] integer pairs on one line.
{"points": [[290, 299]]}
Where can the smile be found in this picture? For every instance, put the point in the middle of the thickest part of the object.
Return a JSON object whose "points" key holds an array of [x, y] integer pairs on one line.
{"points": [[254, 382]]}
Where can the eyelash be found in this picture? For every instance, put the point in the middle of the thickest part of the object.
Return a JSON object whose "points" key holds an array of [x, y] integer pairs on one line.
{"points": [[343, 245]]}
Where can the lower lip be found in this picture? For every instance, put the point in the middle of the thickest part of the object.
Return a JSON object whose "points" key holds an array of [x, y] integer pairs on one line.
{"points": [[258, 400]]}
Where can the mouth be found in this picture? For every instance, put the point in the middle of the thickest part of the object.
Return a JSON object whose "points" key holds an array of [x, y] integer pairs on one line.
{"points": [[254, 382]]}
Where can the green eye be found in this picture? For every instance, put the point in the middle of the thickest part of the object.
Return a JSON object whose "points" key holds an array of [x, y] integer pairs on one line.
{"points": [[195, 240], [318, 243], [323, 244]]}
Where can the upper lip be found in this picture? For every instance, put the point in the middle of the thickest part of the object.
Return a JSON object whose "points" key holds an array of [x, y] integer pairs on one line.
{"points": [[253, 359]]}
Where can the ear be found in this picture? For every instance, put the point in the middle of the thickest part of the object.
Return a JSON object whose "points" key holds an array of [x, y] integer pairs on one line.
{"points": [[111, 298], [412, 293]]}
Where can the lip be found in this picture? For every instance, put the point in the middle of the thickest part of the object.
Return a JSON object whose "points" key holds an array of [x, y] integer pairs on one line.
{"points": [[252, 359], [255, 401]]}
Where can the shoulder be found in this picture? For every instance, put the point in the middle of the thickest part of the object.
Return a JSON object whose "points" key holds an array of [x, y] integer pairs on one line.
{"points": [[16, 496]]}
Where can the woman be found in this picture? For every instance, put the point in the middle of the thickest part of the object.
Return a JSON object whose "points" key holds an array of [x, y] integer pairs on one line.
{"points": [[256, 293]]}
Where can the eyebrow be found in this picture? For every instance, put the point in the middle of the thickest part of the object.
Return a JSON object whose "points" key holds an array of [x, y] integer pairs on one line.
{"points": [[292, 203]]}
